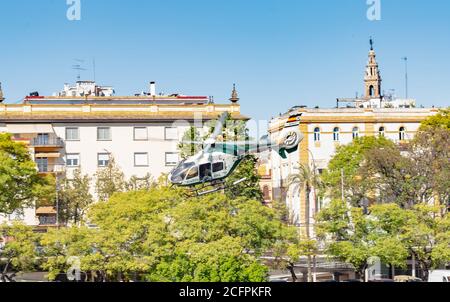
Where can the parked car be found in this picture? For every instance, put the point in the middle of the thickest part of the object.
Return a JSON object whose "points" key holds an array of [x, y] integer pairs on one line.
{"points": [[382, 280], [439, 276], [407, 279]]}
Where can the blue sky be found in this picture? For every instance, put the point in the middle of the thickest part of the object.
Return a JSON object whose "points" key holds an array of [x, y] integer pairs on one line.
{"points": [[280, 53]]}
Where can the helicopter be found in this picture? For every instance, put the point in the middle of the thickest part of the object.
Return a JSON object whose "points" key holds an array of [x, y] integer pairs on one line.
{"points": [[211, 166]]}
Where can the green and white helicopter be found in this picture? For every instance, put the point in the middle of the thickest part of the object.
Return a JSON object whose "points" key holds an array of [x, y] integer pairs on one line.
{"points": [[211, 166]]}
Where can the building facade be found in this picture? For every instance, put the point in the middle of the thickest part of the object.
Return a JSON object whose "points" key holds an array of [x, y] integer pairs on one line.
{"points": [[142, 133], [326, 129]]}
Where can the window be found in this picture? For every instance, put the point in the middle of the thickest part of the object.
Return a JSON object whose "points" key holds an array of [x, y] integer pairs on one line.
{"points": [[172, 159], [42, 164], [266, 193], [141, 159], [72, 134], [382, 131], [104, 134], [317, 134], [193, 173], [336, 133], [73, 160], [103, 159], [218, 167], [355, 132], [205, 172], [171, 133], [42, 139], [402, 133], [140, 134]]}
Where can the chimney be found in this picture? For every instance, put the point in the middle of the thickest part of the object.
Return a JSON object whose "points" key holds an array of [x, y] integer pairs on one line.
{"points": [[152, 88]]}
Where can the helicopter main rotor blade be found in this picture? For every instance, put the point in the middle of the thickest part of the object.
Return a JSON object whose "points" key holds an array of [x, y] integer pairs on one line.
{"points": [[219, 126]]}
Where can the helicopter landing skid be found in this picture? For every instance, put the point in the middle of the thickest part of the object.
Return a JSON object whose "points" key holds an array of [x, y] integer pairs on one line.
{"points": [[217, 186]]}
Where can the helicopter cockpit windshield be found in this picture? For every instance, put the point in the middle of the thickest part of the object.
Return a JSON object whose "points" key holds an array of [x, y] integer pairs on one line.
{"points": [[179, 173]]}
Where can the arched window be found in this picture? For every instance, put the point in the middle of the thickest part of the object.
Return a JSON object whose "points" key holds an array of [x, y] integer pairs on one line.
{"points": [[336, 133], [402, 133], [355, 132], [317, 134], [266, 193], [382, 131], [371, 91]]}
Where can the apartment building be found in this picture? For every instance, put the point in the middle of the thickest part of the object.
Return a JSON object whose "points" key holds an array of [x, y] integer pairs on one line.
{"points": [[84, 125]]}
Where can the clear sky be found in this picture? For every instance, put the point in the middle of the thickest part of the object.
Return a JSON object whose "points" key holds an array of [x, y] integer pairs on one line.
{"points": [[280, 53]]}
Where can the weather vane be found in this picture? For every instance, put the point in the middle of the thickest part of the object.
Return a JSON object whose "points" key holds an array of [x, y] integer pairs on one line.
{"points": [[371, 43]]}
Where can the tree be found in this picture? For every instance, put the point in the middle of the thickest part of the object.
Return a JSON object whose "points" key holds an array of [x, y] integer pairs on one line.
{"points": [[308, 180], [140, 183], [440, 120], [250, 188], [19, 251], [74, 198], [190, 144], [389, 232], [18, 176], [350, 159], [45, 192], [159, 235], [109, 180]]}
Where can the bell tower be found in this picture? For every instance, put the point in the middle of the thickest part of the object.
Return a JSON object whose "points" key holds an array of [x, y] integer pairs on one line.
{"points": [[372, 79]]}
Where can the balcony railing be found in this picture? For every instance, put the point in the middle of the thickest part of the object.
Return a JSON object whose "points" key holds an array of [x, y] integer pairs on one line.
{"points": [[50, 168], [47, 142]]}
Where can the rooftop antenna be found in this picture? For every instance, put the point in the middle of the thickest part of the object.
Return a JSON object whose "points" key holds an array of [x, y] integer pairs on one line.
{"points": [[93, 65], [406, 76], [78, 67]]}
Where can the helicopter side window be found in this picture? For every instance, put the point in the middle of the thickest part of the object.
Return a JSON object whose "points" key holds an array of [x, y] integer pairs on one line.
{"points": [[193, 173], [205, 171], [218, 167]]}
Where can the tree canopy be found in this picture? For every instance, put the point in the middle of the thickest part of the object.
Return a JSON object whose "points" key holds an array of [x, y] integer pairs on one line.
{"points": [[159, 235], [18, 176]]}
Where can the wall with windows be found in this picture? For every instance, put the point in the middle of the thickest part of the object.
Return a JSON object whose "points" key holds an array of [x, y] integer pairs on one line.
{"points": [[138, 149], [327, 129]]}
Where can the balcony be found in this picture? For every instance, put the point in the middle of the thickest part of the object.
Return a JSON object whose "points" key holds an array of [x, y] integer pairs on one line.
{"points": [[47, 142], [50, 169]]}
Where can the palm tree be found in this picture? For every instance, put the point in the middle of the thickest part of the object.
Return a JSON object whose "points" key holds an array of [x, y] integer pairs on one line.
{"points": [[309, 180]]}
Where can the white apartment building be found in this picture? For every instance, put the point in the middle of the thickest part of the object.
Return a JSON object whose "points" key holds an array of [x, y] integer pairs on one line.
{"points": [[142, 133]]}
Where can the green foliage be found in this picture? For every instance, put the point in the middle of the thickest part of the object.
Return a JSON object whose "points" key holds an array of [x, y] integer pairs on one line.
{"points": [[440, 120], [18, 176], [159, 235], [109, 180], [74, 198], [390, 232], [190, 144], [351, 158], [45, 192], [250, 188], [19, 252], [140, 183]]}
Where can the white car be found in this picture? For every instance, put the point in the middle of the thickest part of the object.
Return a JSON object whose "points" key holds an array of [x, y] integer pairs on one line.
{"points": [[439, 276]]}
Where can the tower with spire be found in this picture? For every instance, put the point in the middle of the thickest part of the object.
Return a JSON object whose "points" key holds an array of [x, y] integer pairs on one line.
{"points": [[372, 79], [234, 95], [1, 93]]}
